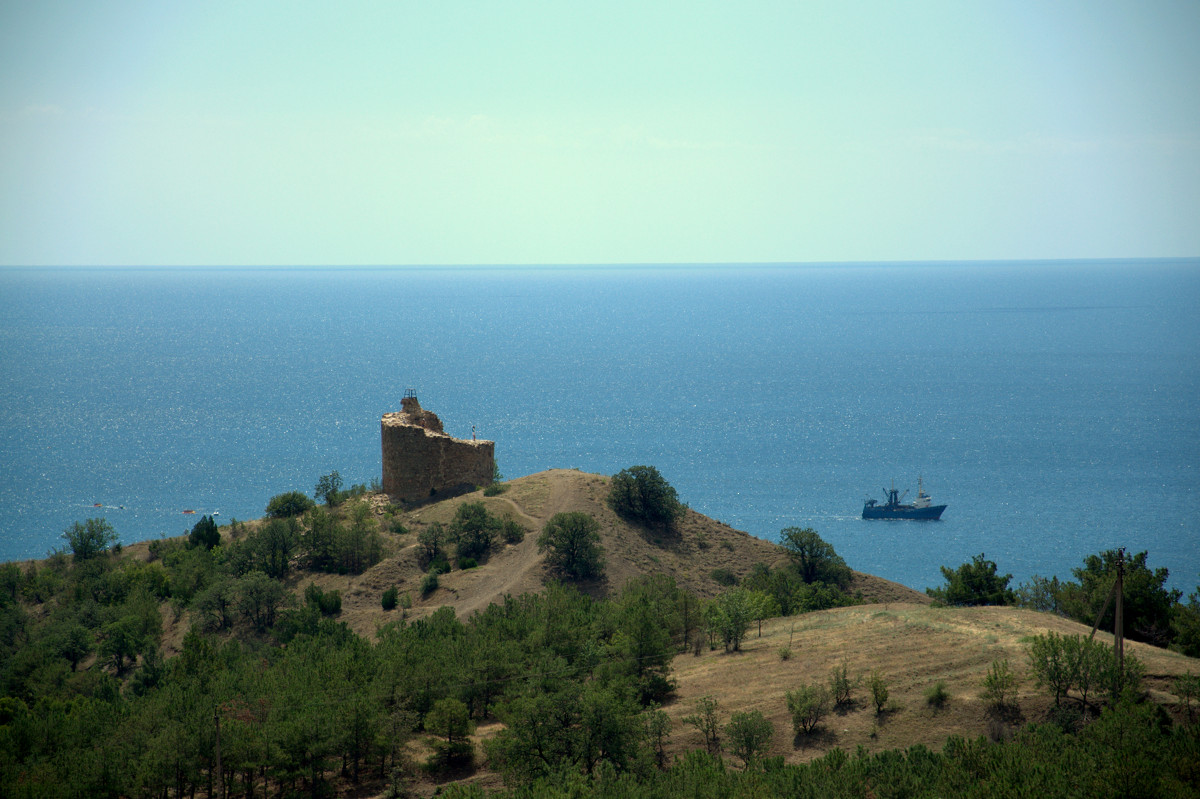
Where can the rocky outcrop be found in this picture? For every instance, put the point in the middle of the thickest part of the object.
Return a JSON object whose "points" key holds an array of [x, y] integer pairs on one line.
{"points": [[421, 462]]}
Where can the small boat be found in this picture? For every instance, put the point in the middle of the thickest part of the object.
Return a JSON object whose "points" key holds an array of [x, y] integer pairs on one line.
{"points": [[922, 509], [189, 511], [97, 504]]}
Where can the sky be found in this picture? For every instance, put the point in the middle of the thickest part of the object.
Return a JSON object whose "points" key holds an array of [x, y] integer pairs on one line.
{"points": [[392, 133]]}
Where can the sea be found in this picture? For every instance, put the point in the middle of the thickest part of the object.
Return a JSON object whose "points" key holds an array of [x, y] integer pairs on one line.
{"points": [[1053, 406]]}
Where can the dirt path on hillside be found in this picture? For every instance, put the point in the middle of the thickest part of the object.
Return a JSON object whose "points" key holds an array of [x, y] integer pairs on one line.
{"points": [[516, 569]]}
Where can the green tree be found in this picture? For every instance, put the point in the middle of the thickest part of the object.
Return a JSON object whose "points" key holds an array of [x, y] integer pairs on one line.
{"points": [[320, 540], [329, 488], [448, 719], [879, 691], [1185, 626], [1052, 668], [260, 598], [645, 619], [808, 705], [749, 735], [841, 687], [1000, 684], [473, 531], [1187, 688], [75, 644], [974, 583], [735, 611], [706, 719], [571, 542], [273, 545], [641, 495], [293, 503], [814, 559], [121, 641], [359, 546], [1039, 593], [215, 605], [1148, 603], [431, 542], [90, 539], [204, 533]]}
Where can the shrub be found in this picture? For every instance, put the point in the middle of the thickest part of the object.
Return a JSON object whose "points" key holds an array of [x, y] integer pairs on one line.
{"points": [[448, 719], [974, 583], [473, 530], [749, 735], [814, 558], [495, 489], [640, 494], [879, 692], [1062, 662], [1051, 667], [999, 685], [329, 488], [205, 533], [724, 576], [808, 705], [571, 542], [429, 584], [329, 603], [1187, 688], [936, 696], [90, 539], [396, 527], [430, 543], [390, 598], [511, 531], [293, 503], [467, 563], [841, 686], [733, 612], [705, 720], [785, 653]]}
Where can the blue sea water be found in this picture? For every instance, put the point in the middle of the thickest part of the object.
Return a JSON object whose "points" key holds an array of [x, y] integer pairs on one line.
{"points": [[1053, 406]]}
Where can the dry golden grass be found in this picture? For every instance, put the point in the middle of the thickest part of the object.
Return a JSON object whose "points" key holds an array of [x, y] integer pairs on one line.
{"points": [[913, 647]]}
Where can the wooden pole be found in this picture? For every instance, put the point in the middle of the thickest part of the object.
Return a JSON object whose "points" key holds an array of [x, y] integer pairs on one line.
{"points": [[1119, 617]]}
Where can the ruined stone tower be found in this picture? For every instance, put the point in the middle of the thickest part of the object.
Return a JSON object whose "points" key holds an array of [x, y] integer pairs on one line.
{"points": [[421, 462]]}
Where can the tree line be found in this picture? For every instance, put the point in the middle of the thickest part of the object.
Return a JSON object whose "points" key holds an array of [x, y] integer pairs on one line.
{"points": [[1153, 613]]}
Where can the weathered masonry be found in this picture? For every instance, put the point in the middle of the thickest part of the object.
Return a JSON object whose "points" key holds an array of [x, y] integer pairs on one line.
{"points": [[421, 462]]}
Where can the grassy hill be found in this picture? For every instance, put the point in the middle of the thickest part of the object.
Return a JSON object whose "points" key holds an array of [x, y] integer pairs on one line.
{"points": [[699, 546]]}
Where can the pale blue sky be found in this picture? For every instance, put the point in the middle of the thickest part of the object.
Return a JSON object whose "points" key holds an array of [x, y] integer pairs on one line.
{"points": [[551, 132]]}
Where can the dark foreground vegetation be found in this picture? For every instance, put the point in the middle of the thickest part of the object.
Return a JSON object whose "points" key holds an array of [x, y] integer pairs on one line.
{"points": [[270, 694]]}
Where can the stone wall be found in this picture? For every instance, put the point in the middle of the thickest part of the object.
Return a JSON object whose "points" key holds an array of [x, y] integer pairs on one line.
{"points": [[422, 463]]}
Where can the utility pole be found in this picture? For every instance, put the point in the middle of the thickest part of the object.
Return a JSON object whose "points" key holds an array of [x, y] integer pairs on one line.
{"points": [[1117, 593], [1119, 617]]}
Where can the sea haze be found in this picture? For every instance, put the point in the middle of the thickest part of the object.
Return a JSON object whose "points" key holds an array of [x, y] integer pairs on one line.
{"points": [[1052, 406]]}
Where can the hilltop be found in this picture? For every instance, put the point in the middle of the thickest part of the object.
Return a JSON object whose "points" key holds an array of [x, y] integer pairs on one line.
{"points": [[698, 546]]}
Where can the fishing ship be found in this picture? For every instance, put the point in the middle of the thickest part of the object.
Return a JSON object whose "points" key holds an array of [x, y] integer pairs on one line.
{"points": [[921, 509]]}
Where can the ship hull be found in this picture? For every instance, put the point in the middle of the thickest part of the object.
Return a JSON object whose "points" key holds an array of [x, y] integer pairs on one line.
{"points": [[930, 514]]}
